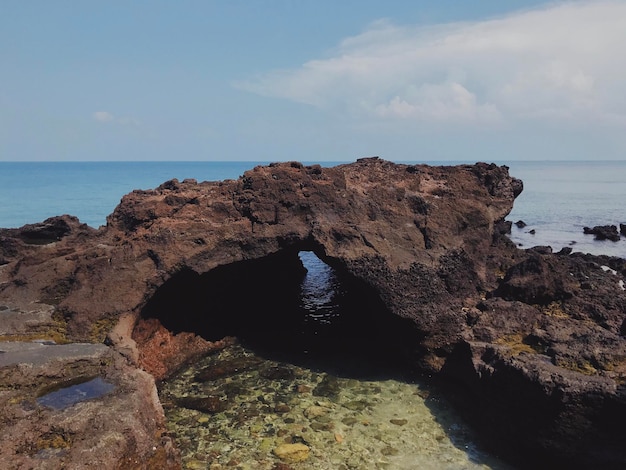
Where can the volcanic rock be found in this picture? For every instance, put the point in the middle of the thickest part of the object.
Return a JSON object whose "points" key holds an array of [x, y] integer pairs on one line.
{"points": [[530, 342], [603, 232], [124, 426], [206, 404]]}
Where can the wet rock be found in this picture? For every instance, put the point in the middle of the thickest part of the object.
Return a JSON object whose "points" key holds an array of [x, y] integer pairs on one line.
{"points": [[356, 405], [389, 450], [317, 426], [298, 440], [209, 404], [315, 411], [622, 229], [328, 387], [520, 224], [398, 422], [603, 232], [292, 453], [277, 373], [234, 389], [281, 466], [226, 368], [282, 408], [245, 415]]}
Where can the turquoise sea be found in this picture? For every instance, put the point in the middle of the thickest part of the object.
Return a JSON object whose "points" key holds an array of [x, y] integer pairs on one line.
{"points": [[558, 200]]}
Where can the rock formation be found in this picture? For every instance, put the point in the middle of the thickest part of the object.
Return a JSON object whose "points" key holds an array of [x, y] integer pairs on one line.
{"points": [[531, 343], [603, 232]]}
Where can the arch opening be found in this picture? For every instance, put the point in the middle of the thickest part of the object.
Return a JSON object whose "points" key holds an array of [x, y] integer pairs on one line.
{"points": [[290, 306]]}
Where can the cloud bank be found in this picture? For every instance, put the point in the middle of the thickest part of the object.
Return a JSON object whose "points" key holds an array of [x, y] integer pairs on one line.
{"points": [[562, 63]]}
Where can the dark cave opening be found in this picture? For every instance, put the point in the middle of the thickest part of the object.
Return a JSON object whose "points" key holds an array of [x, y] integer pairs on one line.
{"points": [[293, 307]]}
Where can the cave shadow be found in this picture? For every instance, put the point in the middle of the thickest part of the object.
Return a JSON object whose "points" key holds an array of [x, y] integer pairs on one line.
{"points": [[315, 316]]}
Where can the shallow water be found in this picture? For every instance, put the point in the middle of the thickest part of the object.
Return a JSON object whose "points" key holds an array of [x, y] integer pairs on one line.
{"points": [[351, 402], [257, 404], [72, 393]]}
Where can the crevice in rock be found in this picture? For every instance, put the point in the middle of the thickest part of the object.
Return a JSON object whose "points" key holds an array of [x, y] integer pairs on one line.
{"points": [[289, 306]]}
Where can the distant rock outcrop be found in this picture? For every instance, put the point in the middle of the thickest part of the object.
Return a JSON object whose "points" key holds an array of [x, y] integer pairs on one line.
{"points": [[534, 338], [603, 232]]}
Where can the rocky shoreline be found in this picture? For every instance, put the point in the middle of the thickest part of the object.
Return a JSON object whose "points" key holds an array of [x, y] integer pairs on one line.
{"points": [[529, 343]]}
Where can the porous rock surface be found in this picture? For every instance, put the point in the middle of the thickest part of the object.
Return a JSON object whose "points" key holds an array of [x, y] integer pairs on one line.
{"points": [[530, 342]]}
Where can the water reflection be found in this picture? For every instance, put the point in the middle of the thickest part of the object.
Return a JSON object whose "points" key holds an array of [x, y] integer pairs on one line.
{"points": [[76, 391]]}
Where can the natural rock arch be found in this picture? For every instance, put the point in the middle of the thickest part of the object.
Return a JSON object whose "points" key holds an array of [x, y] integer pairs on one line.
{"points": [[259, 302], [429, 241]]}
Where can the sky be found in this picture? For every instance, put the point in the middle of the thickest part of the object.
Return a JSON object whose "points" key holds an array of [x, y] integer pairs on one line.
{"points": [[312, 80]]}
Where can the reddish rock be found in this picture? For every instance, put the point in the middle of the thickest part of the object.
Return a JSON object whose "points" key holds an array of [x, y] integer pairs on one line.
{"points": [[161, 352]]}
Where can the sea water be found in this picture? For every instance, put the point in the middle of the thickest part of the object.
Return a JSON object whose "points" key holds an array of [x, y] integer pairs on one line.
{"points": [[561, 198], [33, 191]]}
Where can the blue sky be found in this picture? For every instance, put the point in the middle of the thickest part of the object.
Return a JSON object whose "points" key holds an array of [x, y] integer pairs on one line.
{"points": [[312, 80]]}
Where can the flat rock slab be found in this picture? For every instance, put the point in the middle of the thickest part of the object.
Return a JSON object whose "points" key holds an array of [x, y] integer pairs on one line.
{"points": [[118, 428], [39, 353]]}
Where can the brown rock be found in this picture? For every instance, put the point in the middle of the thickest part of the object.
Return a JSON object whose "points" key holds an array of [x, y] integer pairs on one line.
{"points": [[536, 339], [161, 353]]}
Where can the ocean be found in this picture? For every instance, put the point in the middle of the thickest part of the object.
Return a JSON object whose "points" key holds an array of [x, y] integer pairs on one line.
{"points": [[559, 197]]}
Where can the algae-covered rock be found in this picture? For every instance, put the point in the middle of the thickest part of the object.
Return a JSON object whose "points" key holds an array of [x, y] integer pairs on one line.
{"points": [[292, 452]]}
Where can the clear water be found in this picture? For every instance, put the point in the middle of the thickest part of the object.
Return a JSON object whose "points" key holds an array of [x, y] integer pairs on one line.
{"points": [[344, 422], [236, 408], [74, 393]]}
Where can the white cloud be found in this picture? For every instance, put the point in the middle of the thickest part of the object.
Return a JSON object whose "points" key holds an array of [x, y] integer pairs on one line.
{"points": [[103, 116], [563, 62]]}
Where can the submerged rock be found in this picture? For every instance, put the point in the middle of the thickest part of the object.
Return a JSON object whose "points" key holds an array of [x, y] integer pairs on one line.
{"points": [[209, 404], [292, 453], [277, 373], [227, 368], [328, 387]]}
